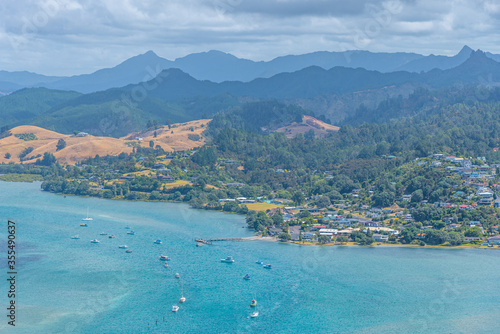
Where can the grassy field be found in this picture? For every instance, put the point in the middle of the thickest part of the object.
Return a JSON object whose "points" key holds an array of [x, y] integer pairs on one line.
{"points": [[262, 206], [176, 184], [21, 177]]}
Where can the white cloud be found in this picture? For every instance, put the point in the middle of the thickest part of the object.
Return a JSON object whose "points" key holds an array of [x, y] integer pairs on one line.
{"points": [[80, 36]]}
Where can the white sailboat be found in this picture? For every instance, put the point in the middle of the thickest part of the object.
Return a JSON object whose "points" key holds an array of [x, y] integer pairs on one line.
{"points": [[87, 218], [255, 314]]}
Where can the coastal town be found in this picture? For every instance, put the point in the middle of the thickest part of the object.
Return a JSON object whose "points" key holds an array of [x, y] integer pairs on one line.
{"points": [[467, 216]]}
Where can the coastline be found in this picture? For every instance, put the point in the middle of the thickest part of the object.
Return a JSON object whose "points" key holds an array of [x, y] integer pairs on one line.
{"points": [[353, 244], [275, 239]]}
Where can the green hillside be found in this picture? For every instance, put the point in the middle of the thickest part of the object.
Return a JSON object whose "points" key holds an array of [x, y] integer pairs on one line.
{"points": [[28, 103]]}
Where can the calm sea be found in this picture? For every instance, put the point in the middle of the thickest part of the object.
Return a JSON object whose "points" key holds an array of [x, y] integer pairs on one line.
{"points": [[69, 285]]}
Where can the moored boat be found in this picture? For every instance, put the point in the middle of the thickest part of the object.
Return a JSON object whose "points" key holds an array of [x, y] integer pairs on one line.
{"points": [[247, 277], [94, 241], [128, 251], [182, 300], [158, 241], [75, 237], [122, 246], [87, 218], [111, 236], [268, 266], [83, 225], [175, 308], [259, 262], [177, 275], [131, 232], [253, 303], [228, 259], [164, 258]]}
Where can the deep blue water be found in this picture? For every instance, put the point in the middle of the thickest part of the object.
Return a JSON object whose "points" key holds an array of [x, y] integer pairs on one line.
{"points": [[73, 286]]}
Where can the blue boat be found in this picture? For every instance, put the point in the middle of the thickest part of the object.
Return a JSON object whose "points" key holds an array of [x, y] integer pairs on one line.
{"points": [[247, 277], [158, 242], [267, 266], [260, 262]]}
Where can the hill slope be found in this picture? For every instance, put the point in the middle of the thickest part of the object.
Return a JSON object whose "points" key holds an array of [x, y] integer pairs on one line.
{"points": [[179, 138], [30, 102]]}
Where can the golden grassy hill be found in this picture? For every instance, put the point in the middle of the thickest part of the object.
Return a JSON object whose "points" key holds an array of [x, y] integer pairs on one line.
{"points": [[320, 128], [180, 137], [80, 148]]}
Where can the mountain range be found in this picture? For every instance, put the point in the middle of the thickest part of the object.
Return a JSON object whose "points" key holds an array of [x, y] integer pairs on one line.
{"points": [[175, 96], [218, 67]]}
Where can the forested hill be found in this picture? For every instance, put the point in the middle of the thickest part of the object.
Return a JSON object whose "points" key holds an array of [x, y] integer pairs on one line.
{"points": [[435, 122]]}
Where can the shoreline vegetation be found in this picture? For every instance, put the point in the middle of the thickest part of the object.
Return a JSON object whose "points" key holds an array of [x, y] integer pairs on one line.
{"points": [[33, 178]]}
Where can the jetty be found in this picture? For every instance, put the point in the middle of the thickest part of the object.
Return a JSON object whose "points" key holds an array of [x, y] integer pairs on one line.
{"points": [[210, 241]]}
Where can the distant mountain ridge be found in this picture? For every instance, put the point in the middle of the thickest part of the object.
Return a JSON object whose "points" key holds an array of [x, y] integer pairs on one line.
{"points": [[179, 97], [217, 66]]}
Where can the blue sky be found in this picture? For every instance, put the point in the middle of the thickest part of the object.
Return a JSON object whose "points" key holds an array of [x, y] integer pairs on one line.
{"points": [[65, 37]]}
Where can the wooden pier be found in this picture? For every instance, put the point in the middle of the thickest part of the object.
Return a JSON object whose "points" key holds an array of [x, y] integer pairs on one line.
{"points": [[209, 241]]}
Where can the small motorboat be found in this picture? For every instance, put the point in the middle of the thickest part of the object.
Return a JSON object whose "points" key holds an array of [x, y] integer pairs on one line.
{"points": [[165, 265], [260, 262], [199, 244], [75, 237], [177, 275], [268, 266], [83, 225], [247, 277], [228, 259], [164, 258], [127, 227], [128, 251], [253, 303], [111, 236], [131, 232], [182, 300], [175, 308], [158, 242], [122, 246], [103, 233], [95, 241]]}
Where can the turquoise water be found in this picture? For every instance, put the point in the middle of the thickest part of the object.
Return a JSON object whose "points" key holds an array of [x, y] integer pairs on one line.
{"points": [[73, 286]]}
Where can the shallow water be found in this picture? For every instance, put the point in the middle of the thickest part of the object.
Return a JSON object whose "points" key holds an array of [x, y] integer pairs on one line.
{"points": [[73, 286]]}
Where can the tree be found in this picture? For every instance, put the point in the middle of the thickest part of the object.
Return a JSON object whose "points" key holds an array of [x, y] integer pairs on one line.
{"points": [[206, 156], [283, 236], [155, 134], [409, 234], [435, 237], [48, 159], [323, 202], [361, 238], [473, 232], [60, 144], [277, 219], [383, 199], [7, 155], [309, 134], [298, 198], [417, 196], [342, 239], [151, 144], [323, 239]]}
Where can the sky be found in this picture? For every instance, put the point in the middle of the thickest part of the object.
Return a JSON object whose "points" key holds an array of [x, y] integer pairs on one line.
{"points": [[68, 37]]}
